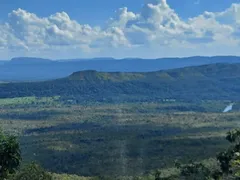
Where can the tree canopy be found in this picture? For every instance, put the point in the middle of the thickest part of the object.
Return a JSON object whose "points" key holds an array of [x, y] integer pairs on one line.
{"points": [[10, 155]]}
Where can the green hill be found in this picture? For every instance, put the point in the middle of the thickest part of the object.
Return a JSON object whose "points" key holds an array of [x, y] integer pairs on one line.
{"points": [[37, 69], [207, 82], [94, 76]]}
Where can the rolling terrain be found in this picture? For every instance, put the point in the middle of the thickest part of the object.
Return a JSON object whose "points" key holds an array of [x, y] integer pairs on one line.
{"points": [[207, 82], [122, 124], [36, 69]]}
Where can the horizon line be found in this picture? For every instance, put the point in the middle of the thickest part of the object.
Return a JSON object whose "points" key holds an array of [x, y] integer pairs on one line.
{"points": [[112, 58]]}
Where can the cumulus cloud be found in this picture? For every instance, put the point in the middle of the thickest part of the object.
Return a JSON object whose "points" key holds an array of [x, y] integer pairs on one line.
{"points": [[31, 32], [156, 26]]}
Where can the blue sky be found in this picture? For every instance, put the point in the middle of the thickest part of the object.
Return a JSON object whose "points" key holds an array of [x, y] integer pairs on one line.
{"points": [[96, 12], [145, 28]]}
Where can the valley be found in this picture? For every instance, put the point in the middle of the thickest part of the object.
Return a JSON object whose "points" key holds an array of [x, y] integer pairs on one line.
{"points": [[122, 125], [119, 90]]}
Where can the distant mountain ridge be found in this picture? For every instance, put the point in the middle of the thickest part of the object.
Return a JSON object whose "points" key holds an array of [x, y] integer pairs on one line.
{"points": [[28, 60], [38, 69], [196, 83]]}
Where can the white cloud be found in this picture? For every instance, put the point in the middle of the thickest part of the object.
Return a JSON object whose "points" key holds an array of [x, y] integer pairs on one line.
{"points": [[157, 27], [123, 16], [58, 30]]}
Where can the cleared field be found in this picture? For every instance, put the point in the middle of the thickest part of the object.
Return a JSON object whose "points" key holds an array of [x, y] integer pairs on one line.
{"points": [[27, 100]]}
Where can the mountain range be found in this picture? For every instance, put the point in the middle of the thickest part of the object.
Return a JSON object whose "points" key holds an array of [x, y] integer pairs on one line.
{"points": [[37, 69], [219, 81]]}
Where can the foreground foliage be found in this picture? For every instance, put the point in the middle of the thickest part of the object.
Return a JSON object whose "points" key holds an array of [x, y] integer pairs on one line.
{"points": [[229, 164], [10, 159], [10, 155], [32, 172]]}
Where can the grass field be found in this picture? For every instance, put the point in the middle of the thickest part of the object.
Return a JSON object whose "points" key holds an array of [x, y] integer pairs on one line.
{"points": [[115, 139], [28, 100]]}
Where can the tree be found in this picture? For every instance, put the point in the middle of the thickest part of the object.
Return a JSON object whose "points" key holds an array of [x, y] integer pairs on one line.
{"points": [[10, 159], [230, 159], [32, 172], [10, 155], [158, 175], [197, 171]]}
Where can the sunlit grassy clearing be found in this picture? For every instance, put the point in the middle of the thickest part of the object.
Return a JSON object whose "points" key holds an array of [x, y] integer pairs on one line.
{"points": [[27, 100]]}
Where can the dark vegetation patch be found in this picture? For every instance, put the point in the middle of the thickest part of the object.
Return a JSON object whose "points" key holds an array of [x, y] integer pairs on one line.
{"points": [[122, 155], [118, 149]]}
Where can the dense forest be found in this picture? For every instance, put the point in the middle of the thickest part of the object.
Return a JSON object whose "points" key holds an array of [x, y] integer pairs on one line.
{"points": [[227, 165]]}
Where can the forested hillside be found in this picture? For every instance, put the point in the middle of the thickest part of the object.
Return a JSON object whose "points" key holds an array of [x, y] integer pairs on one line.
{"points": [[36, 69], [207, 82]]}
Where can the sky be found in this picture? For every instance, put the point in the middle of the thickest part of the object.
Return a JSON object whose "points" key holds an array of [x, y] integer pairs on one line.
{"points": [[61, 29]]}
